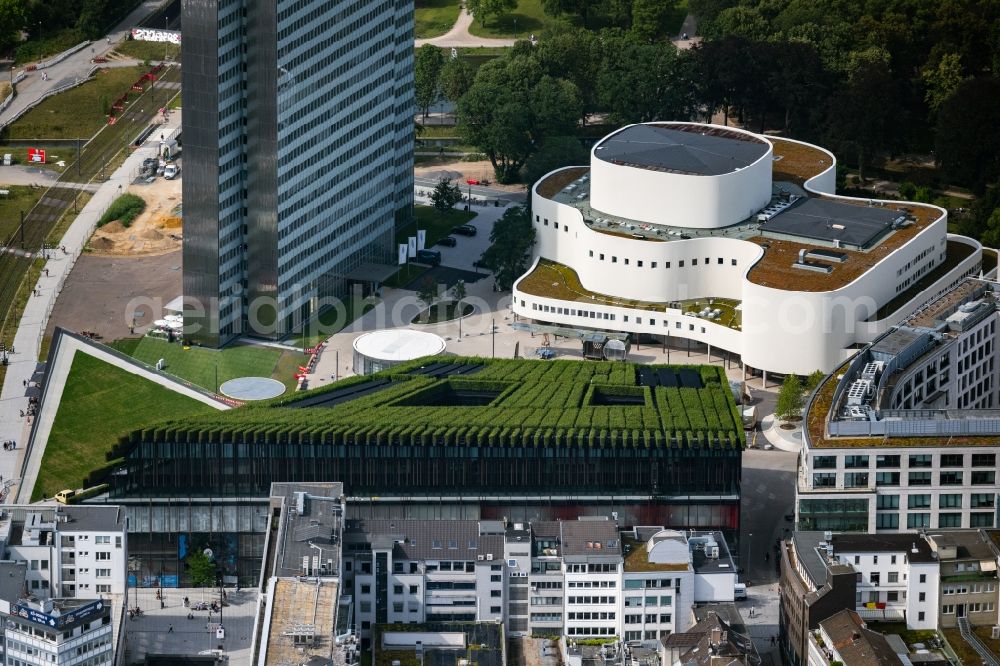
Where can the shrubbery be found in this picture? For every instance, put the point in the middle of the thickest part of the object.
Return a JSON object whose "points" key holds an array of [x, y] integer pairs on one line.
{"points": [[124, 209]]}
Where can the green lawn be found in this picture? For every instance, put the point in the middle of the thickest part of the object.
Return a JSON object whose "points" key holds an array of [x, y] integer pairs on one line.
{"points": [[78, 112], [20, 197], [198, 364], [433, 18], [154, 51], [521, 23], [100, 403]]}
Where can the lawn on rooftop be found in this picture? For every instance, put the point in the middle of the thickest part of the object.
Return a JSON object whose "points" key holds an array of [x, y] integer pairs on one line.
{"points": [[198, 364], [100, 403]]}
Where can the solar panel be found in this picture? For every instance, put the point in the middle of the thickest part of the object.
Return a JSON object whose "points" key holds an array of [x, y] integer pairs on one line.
{"points": [[690, 379], [667, 378]]}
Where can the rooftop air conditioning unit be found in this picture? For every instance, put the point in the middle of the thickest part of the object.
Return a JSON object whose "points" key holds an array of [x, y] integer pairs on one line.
{"points": [[489, 557], [480, 557]]}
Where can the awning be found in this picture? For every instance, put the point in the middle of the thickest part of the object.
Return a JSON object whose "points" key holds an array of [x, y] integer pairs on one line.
{"points": [[372, 272], [987, 565]]}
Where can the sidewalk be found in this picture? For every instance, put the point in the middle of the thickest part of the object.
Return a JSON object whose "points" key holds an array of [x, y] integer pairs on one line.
{"points": [[460, 37], [75, 67], [24, 365]]}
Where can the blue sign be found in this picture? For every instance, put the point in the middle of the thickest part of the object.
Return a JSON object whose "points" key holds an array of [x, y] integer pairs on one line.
{"points": [[59, 621]]}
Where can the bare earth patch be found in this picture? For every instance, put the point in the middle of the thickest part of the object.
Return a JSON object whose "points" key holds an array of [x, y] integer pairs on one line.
{"points": [[157, 230], [480, 171]]}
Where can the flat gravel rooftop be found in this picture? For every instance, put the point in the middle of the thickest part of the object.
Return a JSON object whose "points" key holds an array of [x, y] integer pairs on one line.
{"points": [[825, 220], [662, 148]]}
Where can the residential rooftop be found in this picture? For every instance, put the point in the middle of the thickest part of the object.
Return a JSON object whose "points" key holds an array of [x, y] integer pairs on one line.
{"points": [[302, 619], [426, 539], [914, 545], [637, 558], [855, 643], [686, 149]]}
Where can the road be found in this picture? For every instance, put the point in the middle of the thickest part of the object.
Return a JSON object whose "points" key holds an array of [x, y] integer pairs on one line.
{"points": [[75, 67]]}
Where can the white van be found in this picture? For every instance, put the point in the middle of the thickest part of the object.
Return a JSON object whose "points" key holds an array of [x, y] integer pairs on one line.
{"points": [[740, 591]]}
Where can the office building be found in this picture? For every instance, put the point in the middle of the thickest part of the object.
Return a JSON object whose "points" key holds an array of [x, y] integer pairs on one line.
{"points": [[534, 440], [904, 435], [580, 578], [700, 234], [306, 615], [62, 585], [298, 137]]}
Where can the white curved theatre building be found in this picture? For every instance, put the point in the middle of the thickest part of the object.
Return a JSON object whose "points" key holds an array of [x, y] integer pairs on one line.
{"points": [[733, 240]]}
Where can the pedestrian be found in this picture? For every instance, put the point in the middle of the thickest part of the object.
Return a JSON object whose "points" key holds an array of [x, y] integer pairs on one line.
{"points": [[22, 416], [751, 611], [24, 382], [171, 629], [772, 640]]}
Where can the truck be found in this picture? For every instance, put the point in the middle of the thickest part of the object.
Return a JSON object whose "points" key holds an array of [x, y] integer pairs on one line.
{"points": [[169, 148]]}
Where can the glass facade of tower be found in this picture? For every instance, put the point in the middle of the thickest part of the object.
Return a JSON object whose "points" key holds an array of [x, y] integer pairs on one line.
{"points": [[298, 134]]}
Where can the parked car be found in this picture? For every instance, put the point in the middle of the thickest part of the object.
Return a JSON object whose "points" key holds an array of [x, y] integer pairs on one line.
{"points": [[432, 257], [447, 241], [171, 171], [465, 230]]}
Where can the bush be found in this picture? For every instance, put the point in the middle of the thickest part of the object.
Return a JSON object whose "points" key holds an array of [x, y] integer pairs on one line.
{"points": [[124, 209]]}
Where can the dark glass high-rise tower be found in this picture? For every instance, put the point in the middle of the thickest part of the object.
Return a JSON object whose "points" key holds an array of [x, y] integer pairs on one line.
{"points": [[298, 138]]}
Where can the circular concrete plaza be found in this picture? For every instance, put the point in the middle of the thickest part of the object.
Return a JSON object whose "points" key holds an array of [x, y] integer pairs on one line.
{"points": [[378, 350], [252, 388]]}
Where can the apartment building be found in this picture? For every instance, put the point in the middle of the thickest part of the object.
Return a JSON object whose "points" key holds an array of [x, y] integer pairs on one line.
{"points": [[71, 552], [968, 572], [62, 584], [890, 577], [844, 638], [298, 139], [908, 434], [578, 578]]}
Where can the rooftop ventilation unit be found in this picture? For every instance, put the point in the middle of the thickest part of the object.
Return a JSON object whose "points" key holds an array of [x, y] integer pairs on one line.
{"points": [[859, 392]]}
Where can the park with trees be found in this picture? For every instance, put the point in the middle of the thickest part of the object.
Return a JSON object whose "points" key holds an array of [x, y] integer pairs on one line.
{"points": [[903, 91]]}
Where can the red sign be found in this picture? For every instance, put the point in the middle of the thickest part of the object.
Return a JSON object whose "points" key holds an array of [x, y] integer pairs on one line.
{"points": [[36, 155], [472, 182]]}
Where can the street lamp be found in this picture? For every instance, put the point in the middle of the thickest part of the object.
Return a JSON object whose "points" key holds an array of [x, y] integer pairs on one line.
{"points": [[749, 543]]}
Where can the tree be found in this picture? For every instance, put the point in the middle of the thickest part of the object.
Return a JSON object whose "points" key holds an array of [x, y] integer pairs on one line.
{"points": [[12, 18], [427, 292], [967, 142], [510, 244], [459, 292], [483, 9], [511, 107], [426, 76], [581, 8], [641, 82], [445, 195], [575, 55], [201, 569], [456, 78], [942, 80], [865, 117], [648, 17], [990, 236], [789, 399], [554, 153], [814, 379]]}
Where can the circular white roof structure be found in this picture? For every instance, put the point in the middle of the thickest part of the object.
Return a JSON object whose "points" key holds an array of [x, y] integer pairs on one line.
{"points": [[252, 388], [398, 345]]}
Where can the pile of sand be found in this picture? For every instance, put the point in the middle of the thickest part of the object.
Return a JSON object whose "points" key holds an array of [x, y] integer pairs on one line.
{"points": [[154, 231]]}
